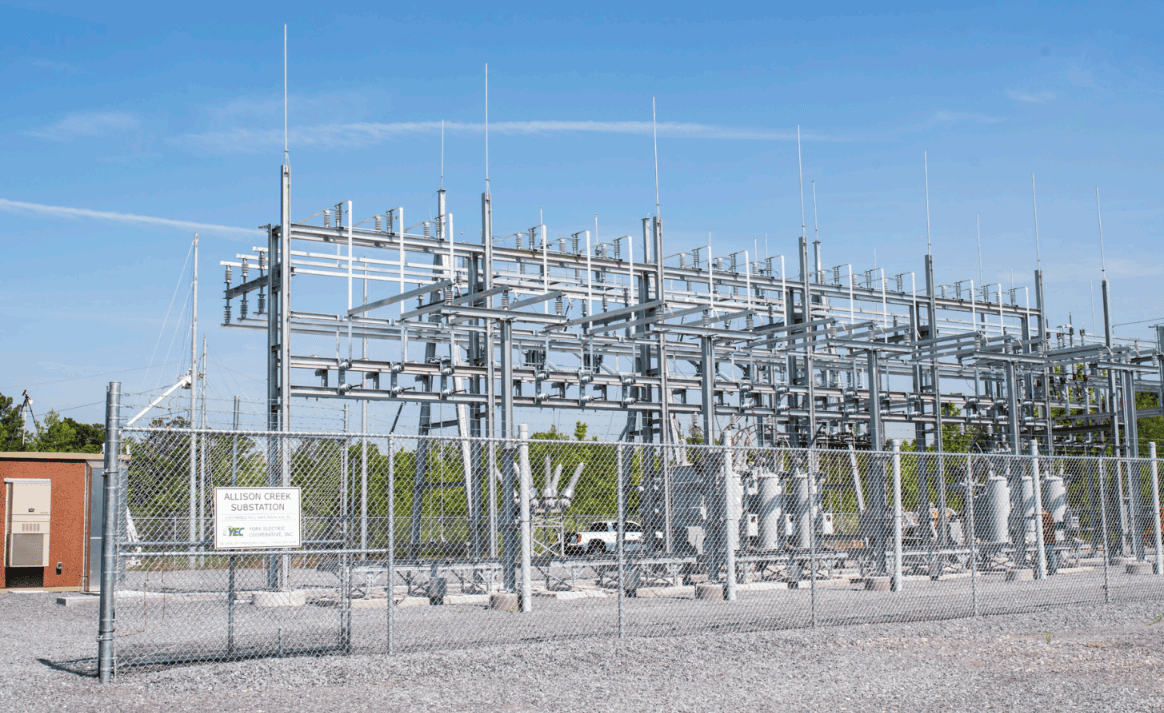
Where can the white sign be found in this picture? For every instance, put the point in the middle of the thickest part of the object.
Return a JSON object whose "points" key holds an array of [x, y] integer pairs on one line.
{"points": [[254, 518]]}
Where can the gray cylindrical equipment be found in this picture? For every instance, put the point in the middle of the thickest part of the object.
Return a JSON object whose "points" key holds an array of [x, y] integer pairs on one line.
{"points": [[1022, 511], [801, 498], [771, 511], [992, 511], [1055, 497]]}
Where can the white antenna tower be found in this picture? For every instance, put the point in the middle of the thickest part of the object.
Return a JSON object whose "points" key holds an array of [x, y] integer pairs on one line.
{"points": [[815, 218], [655, 136], [800, 165], [978, 229], [442, 154], [286, 154], [1035, 204], [486, 127], [929, 238], [1099, 216]]}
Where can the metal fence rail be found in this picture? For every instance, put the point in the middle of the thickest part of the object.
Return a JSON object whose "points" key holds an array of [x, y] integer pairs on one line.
{"points": [[412, 542]]}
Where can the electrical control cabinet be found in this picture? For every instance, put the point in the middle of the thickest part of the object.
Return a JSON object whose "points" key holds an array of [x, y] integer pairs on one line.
{"points": [[29, 510]]}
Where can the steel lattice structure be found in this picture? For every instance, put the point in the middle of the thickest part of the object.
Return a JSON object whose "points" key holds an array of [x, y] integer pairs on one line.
{"points": [[787, 352]]}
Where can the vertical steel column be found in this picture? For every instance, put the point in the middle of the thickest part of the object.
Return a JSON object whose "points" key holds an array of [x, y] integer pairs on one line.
{"points": [[281, 575], [1156, 506], [345, 570], [1012, 408], [230, 588], [525, 601], [621, 543], [490, 376], [896, 582], [109, 532], [880, 537], [274, 312], [972, 537], [285, 315], [809, 345], [1103, 523], [193, 484], [733, 502], [364, 473], [707, 390], [508, 482], [390, 587], [1037, 491], [1132, 452], [275, 269]]}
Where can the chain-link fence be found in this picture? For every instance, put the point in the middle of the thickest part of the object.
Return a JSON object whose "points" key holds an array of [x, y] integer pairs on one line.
{"points": [[409, 542]]}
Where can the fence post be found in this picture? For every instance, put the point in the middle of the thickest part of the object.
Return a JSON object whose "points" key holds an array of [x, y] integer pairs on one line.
{"points": [[107, 621], [896, 582], [812, 485], [1037, 494], [525, 602], [230, 593], [1103, 524], [1156, 506], [731, 525], [345, 583], [969, 531], [620, 545], [391, 585]]}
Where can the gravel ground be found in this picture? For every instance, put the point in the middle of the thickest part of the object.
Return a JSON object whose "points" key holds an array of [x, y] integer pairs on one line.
{"points": [[1080, 658]]}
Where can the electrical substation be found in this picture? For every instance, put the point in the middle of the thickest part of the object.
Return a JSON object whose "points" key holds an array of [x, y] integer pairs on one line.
{"points": [[765, 354]]}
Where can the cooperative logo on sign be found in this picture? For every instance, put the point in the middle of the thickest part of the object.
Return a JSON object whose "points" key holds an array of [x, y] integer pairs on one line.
{"points": [[234, 532]]}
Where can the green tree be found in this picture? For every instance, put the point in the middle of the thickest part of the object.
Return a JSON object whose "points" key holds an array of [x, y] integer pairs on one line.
{"points": [[10, 425], [64, 435]]}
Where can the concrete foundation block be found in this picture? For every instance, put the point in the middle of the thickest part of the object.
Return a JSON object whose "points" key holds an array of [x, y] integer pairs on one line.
{"points": [[709, 591], [1140, 568], [1020, 575], [503, 601], [294, 598], [878, 584]]}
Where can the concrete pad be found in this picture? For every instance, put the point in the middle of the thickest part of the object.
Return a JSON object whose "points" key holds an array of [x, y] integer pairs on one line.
{"points": [[761, 586], [709, 591], [293, 598], [1020, 575], [412, 602], [503, 601], [467, 599], [369, 604], [878, 584], [1140, 568], [75, 601], [646, 592], [573, 594]]}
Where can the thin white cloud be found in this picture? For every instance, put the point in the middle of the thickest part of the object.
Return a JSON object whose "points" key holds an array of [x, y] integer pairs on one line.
{"points": [[1030, 96], [85, 125], [961, 116], [351, 135], [53, 64], [65, 212]]}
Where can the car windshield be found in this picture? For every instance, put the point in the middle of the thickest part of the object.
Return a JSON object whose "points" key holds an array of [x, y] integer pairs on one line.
{"points": [[634, 527], [597, 527]]}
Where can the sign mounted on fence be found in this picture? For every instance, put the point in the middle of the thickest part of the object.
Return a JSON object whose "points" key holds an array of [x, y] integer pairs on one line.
{"points": [[256, 518]]}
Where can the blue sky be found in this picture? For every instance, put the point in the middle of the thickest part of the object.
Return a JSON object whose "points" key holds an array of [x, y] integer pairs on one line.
{"points": [[177, 115]]}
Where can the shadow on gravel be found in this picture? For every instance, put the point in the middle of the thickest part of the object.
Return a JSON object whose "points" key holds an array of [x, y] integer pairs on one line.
{"points": [[78, 667]]}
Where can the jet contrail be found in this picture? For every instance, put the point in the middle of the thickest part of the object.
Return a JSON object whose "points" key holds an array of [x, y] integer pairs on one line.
{"points": [[66, 212]]}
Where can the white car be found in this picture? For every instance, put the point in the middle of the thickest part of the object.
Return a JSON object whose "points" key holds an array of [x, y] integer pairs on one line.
{"points": [[601, 536]]}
